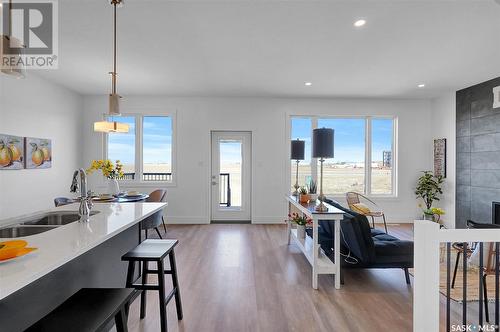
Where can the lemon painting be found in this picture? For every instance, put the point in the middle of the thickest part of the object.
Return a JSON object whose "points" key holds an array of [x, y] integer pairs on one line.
{"points": [[38, 153], [11, 152]]}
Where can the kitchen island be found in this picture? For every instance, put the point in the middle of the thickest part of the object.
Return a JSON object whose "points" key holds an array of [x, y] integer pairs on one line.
{"points": [[69, 257]]}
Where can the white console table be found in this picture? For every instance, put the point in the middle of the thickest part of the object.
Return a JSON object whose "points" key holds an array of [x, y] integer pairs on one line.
{"points": [[320, 263]]}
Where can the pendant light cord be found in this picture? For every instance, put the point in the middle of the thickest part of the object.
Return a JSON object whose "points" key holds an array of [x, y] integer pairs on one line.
{"points": [[113, 74], [10, 18]]}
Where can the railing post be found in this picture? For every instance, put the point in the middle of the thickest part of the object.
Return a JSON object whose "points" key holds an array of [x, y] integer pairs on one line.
{"points": [[426, 276]]}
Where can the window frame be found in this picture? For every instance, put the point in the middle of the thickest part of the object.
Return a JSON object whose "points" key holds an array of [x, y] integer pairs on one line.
{"points": [[139, 150], [368, 150]]}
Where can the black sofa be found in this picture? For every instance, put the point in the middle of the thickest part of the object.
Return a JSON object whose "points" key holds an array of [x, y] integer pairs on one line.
{"points": [[368, 248]]}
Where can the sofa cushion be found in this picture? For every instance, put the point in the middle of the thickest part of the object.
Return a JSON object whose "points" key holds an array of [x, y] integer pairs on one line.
{"points": [[361, 208], [384, 237], [375, 231], [397, 253]]}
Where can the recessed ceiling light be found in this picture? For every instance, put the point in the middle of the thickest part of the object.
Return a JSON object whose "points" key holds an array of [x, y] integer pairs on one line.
{"points": [[422, 85], [308, 83], [359, 23]]}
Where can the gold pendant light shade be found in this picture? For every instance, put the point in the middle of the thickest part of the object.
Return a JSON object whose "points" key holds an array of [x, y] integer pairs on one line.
{"points": [[110, 127]]}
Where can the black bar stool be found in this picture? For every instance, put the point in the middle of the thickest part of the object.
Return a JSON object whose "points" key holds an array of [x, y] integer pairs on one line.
{"points": [[89, 309], [154, 251]]}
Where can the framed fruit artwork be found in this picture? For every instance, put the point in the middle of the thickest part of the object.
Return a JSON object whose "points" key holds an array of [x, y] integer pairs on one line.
{"points": [[38, 153], [11, 152]]}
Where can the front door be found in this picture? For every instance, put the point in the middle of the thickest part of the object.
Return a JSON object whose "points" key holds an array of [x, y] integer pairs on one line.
{"points": [[231, 176]]}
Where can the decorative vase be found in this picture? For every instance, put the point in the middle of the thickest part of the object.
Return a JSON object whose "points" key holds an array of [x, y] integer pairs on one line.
{"points": [[313, 197], [113, 187], [301, 231], [304, 198], [429, 217]]}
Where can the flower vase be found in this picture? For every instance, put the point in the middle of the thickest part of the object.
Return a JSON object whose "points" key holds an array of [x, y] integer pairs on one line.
{"points": [[428, 216], [301, 231], [113, 187]]}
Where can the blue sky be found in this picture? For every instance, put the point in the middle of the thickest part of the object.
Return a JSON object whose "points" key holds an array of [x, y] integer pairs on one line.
{"points": [[230, 152], [349, 137], [157, 140]]}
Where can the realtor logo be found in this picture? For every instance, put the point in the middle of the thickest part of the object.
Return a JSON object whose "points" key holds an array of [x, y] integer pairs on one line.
{"points": [[29, 33]]}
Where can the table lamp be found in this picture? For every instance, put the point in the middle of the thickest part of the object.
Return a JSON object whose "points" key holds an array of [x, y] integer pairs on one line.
{"points": [[298, 152], [322, 148]]}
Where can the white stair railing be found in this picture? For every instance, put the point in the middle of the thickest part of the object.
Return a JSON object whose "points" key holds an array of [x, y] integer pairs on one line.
{"points": [[427, 241]]}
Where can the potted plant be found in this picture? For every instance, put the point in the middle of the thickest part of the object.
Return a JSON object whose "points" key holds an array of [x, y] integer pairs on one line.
{"points": [[313, 193], [428, 189], [110, 171], [301, 222], [303, 196]]}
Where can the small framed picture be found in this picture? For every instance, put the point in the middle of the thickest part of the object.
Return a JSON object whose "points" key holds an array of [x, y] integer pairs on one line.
{"points": [[38, 153], [440, 157], [11, 152]]}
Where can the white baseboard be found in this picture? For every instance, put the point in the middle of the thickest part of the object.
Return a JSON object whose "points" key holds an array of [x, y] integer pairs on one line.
{"points": [[395, 221], [186, 220], [201, 220], [268, 220]]}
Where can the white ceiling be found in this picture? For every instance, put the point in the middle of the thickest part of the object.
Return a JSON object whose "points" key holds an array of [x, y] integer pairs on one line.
{"points": [[270, 48]]}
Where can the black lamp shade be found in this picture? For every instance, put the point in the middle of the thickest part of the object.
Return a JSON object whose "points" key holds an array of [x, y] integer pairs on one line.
{"points": [[298, 150], [322, 143]]}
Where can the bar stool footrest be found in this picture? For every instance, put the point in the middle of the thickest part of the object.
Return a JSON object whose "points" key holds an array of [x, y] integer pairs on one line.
{"points": [[170, 295], [156, 271]]}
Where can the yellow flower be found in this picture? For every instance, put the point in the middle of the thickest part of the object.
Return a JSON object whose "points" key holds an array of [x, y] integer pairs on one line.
{"points": [[437, 211]]}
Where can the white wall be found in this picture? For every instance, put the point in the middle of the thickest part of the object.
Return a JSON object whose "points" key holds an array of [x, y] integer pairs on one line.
{"points": [[267, 119], [443, 115], [37, 108]]}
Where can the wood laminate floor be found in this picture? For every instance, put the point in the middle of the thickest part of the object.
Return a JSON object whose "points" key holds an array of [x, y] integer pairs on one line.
{"points": [[246, 278]]}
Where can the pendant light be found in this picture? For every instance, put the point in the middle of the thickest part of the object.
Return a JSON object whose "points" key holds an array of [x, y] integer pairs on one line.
{"points": [[12, 48], [114, 98]]}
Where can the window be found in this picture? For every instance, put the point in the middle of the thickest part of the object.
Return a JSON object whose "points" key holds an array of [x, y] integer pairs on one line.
{"points": [[149, 159], [363, 159], [302, 129], [230, 164], [381, 168], [346, 171], [122, 146], [157, 148]]}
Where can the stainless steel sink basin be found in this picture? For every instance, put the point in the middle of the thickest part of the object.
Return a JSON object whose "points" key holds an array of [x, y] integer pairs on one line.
{"points": [[56, 218], [20, 231], [40, 223]]}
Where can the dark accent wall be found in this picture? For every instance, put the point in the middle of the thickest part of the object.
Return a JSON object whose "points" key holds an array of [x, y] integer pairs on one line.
{"points": [[478, 153]]}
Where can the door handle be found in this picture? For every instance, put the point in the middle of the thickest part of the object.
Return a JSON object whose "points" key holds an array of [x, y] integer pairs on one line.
{"points": [[214, 183]]}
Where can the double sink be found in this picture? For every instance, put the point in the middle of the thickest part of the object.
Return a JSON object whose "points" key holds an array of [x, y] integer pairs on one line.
{"points": [[40, 223]]}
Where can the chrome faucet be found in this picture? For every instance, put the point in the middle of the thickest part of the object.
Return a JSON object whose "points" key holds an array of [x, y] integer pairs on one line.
{"points": [[86, 198]]}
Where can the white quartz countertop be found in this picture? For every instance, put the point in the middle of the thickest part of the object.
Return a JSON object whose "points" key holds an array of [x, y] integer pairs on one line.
{"points": [[62, 244]]}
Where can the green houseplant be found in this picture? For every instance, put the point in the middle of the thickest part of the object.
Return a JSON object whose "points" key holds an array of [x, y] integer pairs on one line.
{"points": [[429, 188], [313, 190]]}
